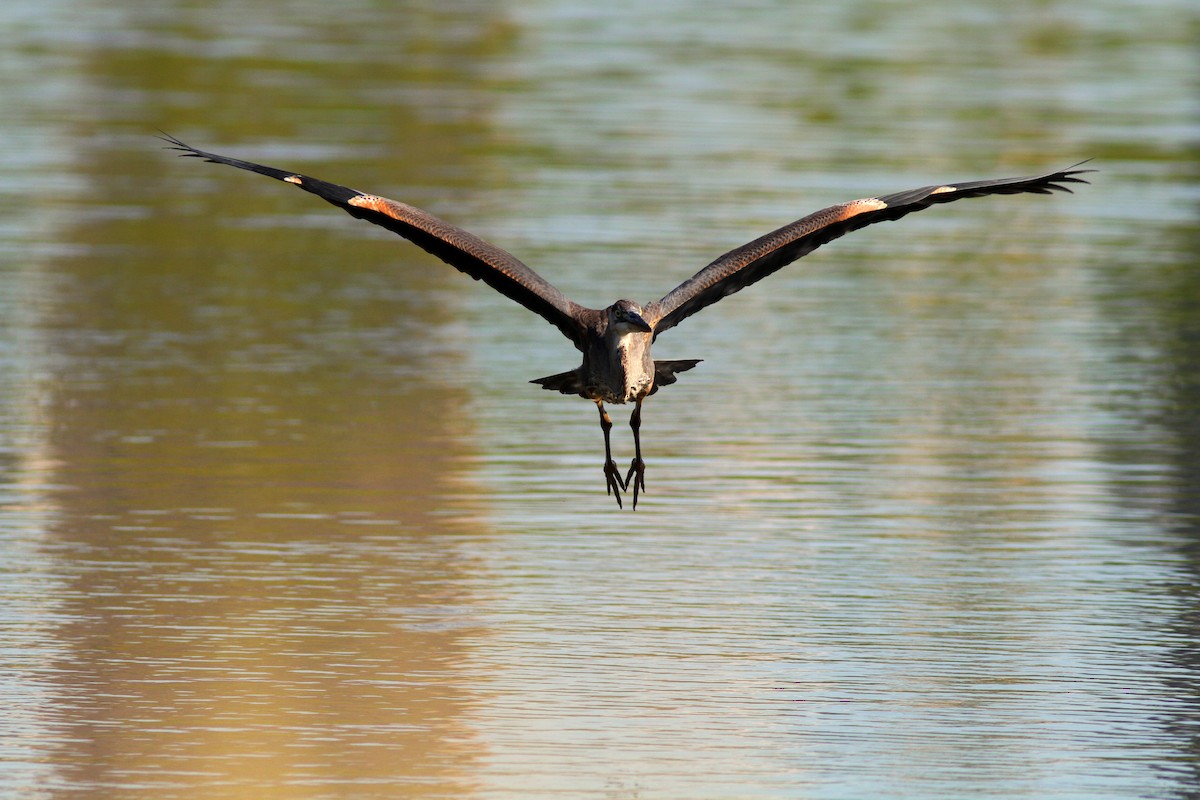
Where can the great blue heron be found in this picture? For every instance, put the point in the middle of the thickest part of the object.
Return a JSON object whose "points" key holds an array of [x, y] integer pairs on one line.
{"points": [[615, 341]]}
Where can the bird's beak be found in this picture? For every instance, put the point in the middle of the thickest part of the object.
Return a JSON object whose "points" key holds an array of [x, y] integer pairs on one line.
{"points": [[637, 322]]}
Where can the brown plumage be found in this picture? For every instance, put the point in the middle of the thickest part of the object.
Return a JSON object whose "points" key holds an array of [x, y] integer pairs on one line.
{"points": [[615, 341]]}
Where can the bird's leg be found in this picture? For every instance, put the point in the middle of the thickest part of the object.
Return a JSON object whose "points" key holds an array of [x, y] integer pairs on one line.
{"points": [[612, 475], [637, 470]]}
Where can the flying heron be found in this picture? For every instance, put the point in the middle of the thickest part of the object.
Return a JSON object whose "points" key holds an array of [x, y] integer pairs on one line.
{"points": [[615, 341]]}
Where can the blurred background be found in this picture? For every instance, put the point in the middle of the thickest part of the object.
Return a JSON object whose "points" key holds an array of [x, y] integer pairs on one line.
{"points": [[281, 517]]}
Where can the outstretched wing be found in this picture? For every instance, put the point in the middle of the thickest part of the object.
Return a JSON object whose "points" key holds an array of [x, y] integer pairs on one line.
{"points": [[754, 261], [464, 251]]}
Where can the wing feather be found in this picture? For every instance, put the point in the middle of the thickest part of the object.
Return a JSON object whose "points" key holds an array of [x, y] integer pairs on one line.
{"points": [[755, 260], [460, 249]]}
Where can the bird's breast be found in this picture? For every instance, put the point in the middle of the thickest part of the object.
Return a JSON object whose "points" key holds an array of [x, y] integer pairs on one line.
{"points": [[622, 370]]}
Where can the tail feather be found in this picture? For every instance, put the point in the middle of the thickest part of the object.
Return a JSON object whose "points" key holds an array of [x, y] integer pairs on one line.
{"points": [[571, 382], [665, 371], [565, 382]]}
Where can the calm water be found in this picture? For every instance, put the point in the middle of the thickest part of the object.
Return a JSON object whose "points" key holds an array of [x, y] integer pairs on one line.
{"points": [[280, 516]]}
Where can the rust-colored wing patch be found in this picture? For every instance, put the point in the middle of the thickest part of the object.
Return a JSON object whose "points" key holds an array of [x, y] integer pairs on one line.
{"points": [[856, 207], [374, 203]]}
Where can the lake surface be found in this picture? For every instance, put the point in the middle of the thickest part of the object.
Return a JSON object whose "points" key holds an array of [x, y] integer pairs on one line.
{"points": [[282, 517]]}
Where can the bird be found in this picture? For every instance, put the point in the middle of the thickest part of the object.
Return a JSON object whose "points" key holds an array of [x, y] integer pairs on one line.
{"points": [[615, 341]]}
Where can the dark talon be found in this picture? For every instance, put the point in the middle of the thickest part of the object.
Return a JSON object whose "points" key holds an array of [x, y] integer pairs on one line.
{"points": [[637, 474], [613, 476]]}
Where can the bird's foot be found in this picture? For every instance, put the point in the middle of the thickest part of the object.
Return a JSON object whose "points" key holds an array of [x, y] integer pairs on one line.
{"points": [[612, 476], [637, 477]]}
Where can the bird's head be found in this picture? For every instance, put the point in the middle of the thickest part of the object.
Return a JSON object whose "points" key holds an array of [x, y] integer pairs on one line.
{"points": [[626, 316]]}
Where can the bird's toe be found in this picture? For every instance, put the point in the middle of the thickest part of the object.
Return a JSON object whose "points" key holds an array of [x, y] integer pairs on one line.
{"points": [[637, 477], [612, 477]]}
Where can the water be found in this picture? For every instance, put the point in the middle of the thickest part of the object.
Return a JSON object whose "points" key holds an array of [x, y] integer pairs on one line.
{"points": [[280, 515]]}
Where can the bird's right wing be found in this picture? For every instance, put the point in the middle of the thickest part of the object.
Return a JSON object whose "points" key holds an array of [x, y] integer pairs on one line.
{"points": [[755, 260], [460, 249]]}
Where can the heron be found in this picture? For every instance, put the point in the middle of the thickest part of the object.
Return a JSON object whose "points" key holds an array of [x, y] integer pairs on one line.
{"points": [[615, 341]]}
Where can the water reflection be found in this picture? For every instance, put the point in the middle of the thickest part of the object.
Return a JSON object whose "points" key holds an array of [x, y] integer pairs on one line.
{"points": [[250, 570], [1177, 303], [279, 514], [221, 662]]}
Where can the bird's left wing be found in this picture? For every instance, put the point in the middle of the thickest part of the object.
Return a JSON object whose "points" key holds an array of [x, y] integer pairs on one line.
{"points": [[460, 249], [755, 260]]}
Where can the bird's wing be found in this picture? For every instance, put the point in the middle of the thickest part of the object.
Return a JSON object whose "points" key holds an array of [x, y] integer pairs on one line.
{"points": [[755, 260], [464, 251]]}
